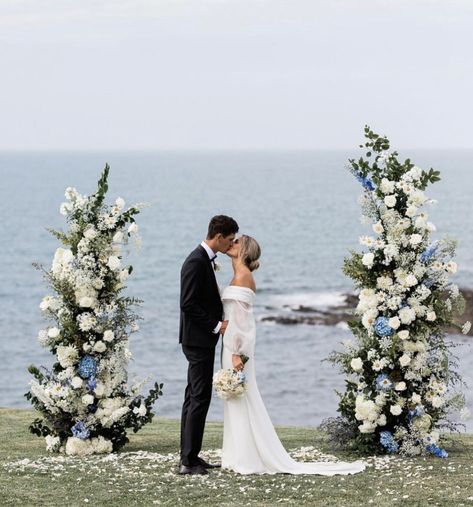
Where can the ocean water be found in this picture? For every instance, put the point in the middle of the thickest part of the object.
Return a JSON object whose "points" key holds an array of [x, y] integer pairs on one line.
{"points": [[301, 206]]}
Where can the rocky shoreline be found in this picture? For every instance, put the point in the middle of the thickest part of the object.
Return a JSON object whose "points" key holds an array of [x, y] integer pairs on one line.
{"points": [[340, 314]]}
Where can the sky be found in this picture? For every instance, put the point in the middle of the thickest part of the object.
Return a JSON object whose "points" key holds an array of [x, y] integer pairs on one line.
{"points": [[234, 74]]}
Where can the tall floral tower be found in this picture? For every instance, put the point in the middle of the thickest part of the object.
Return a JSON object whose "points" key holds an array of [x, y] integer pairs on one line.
{"points": [[85, 399], [400, 381]]}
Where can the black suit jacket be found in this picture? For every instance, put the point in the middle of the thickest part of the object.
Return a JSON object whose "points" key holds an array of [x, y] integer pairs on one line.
{"points": [[201, 306]]}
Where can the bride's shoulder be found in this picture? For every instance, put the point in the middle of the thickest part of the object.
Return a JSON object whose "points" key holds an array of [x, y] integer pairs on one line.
{"points": [[244, 279]]}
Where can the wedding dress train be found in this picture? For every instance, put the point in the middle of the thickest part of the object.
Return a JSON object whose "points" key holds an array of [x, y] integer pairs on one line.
{"points": [[250, 443]]}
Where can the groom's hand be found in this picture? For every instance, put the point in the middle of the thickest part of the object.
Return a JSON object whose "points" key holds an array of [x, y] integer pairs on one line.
{"points": [[223, 328]]}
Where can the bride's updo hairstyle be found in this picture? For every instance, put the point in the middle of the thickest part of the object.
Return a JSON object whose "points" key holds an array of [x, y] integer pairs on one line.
{"points": [[250, 252]]}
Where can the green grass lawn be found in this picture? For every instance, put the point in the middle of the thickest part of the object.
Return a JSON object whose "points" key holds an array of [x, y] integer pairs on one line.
{"points": [[144, 473]]}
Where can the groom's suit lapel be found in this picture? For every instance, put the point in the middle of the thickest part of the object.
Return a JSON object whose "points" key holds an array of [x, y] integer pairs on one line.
{"points": [[210, 268]]}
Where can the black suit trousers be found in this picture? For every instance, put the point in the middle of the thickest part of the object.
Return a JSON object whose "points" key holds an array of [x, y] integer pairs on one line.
{"points": [[196, 401]]}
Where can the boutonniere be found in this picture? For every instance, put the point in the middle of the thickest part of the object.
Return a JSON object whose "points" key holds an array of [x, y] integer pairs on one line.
{"points": [[217, 266]]}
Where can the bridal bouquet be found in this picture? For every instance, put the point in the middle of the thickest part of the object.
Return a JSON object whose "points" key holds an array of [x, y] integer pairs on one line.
{"points": [[229, 383], [85, 399], [401, 381]]}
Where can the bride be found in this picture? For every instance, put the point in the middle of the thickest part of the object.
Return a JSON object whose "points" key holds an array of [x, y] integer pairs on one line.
{"points": [[250, 443]]}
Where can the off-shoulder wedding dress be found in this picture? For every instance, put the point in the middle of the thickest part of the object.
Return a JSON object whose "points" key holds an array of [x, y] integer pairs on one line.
{"points": [[250, 443]]}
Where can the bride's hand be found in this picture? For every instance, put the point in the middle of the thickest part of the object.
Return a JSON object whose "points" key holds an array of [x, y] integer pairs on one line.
{"points": [[237, 362]]}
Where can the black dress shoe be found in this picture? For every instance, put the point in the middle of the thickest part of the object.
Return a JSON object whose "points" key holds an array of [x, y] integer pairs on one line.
{"points": [[195, 470], [207, 465]]}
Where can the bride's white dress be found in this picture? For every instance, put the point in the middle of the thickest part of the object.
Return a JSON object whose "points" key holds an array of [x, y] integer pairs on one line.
{"points": [[250, 443]]}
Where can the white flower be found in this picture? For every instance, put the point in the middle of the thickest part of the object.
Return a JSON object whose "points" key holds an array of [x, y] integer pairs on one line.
{"points": [[405, 359], [386, 186], [53, 332], [123, 275], [357, 364], [384, 282], [394, 322], [381, 420], [100, 347], [90, 233], [400, 386], [76, 382], [87, 399], [430, 227], [379, 364], [133, 228], [404, 334], [113, 262], [431, 316], [410, 280], [466, 327], [416, 398], [395, 409], [411, 211], [109, 335], [390, 201], [451, 267], [380, 399], [437, 401], [415, 239], [365, 409], [120, 203], [378, 228], [141, 410], [369, 318], [52, 443], [99, 389], [367, 427], [67, 355], [407, 315], [87, 302], [65, 208], [86, 347], [368, 259], [118, 237]]}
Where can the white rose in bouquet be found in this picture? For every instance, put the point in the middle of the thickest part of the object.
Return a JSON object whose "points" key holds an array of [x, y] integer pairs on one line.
{"points": [[431, 316], [87, 399], [76, 382], [368, 259], [390, 201], [109, 335], [394, 322], [113, 262], [133, 228], [357, 364], [395, 409], [100, 347], [407, 315], [405, 359], [378, 228]]}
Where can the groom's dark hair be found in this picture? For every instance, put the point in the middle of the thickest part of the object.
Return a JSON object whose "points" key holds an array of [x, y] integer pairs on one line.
{"points": [[223, 225]]}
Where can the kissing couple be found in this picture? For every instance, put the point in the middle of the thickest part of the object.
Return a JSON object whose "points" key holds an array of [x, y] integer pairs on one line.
{"points": [[250, 442]]}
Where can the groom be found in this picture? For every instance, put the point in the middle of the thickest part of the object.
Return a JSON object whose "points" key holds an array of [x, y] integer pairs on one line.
{"points": [[199, 330]]}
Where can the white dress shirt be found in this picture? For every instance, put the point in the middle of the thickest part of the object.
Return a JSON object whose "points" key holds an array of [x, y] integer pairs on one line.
{"points": [[211, 255]]}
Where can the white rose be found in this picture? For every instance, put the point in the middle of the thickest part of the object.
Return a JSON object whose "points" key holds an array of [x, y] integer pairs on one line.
{"points": [[120, 203], [141, 410], [416, 398], [86, 347], [431, 316], [87, 302], [90, 233], [400, 386], [394, 322], [87, 399], [367, 427], [386, 186], [395, 409], [407, 315], [99, 389], [368, 259], [109, 335], [113, 262], [381, 420], [410, 281], [451, 267], [415, 239], [100, 346], [384, 282], [404, 334], [378, 228], [133, 228], [123, 275], [76, 382], [357, 364], [411, 211], [369, 318], [390, 201], [53, 332], [404, 360]]}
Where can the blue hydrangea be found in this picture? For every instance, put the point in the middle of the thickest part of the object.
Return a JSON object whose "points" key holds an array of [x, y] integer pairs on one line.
{"points": [[428, 253], [382, 327], [383, 382], [437, 451], [80, 430], [366, 182], [91, 383], [241, 377], [87, 367], [386, 439]]}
